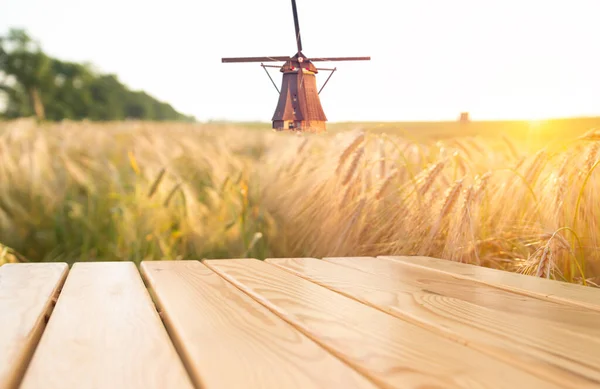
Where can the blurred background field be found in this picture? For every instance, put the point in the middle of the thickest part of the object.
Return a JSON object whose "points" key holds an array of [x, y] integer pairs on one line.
{"points": [[92, 170], [485, 193]]}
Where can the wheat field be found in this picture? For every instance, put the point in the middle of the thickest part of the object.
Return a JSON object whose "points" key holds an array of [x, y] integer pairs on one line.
{"points": [[145, 191]]}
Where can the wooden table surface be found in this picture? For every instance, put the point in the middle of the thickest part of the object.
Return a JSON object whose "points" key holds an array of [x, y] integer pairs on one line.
{"points": [[385, 322]]}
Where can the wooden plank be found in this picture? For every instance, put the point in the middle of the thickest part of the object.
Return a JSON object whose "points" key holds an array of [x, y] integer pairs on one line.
{"points": [[27, 291], [393, 352], [105, 333], [424, 297], [553, 290], [576, 318], [229, 340]]}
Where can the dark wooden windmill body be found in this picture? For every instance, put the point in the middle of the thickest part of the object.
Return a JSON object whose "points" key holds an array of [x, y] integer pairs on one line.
{"points": [[299, 106]]}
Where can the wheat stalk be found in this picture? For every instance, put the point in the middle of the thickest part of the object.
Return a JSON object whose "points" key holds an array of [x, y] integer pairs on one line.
{"points": [[382, 171], [386, 184], [429, 179], [452, 195], [353, 165], [591, 156], [349, 150]]}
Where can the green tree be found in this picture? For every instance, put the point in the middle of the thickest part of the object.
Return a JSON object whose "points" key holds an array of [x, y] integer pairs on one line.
{"points": [[52, 89], [22, 58]]}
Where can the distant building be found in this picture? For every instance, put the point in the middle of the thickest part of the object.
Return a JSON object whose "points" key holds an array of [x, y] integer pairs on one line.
{"points": [[464, 117]]}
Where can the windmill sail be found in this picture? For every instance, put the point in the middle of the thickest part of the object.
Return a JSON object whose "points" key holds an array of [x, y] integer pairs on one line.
{"points": [[340, 59], [297, 26], [256, 59]]}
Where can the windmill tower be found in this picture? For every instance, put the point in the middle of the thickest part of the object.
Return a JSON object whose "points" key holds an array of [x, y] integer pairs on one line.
{"points": [[299, 107]]}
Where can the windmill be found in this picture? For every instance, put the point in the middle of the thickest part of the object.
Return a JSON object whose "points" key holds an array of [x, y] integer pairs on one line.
{"points": [[299, 107]]}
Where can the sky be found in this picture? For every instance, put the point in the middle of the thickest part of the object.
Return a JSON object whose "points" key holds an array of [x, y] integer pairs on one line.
{"points": [[430, 59]]}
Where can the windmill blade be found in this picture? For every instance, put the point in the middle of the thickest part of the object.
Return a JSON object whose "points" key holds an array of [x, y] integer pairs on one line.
{"points": [[297, 26], [340, 59], [256, 59]]}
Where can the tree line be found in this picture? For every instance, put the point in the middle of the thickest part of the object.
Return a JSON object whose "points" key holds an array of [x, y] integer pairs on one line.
{"points": [[35, 84]]}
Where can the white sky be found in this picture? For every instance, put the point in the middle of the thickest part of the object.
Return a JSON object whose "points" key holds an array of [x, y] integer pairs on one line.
{"points": [[431, 59]]}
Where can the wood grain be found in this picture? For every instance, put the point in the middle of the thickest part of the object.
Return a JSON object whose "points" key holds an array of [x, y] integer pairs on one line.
{"points": [[105, 333], [393, 352], [26, 295], [231, 341], [585, 296], [579, 320], [533, 345]]}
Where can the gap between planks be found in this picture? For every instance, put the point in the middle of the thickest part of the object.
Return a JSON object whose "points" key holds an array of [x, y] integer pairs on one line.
{"points": [[14, 369], [175, 340], [203, 308]]}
